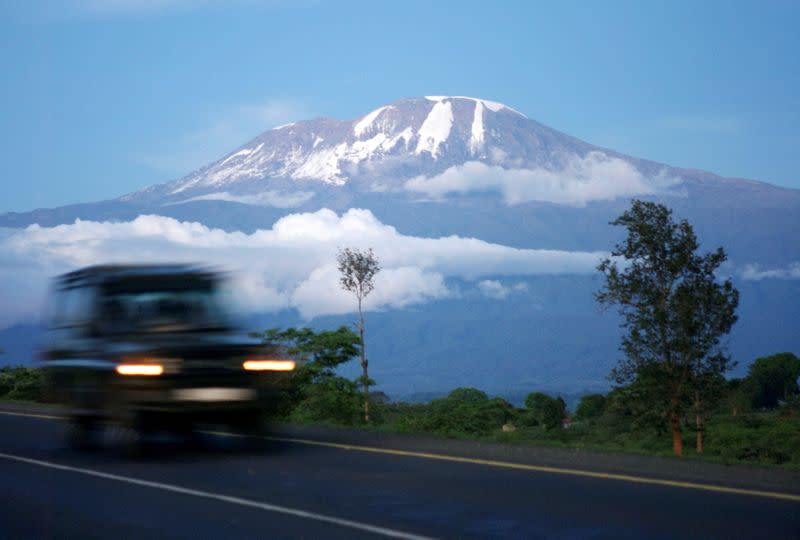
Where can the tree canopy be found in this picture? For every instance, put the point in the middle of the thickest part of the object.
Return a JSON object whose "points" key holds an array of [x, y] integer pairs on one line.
{"points": [[773, 379], [674, 309], [357, 271]]}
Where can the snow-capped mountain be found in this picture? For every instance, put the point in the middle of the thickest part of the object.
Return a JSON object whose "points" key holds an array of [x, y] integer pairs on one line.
{"points": [[396, 141], [438, 167], [397, 147], [434, 148]]}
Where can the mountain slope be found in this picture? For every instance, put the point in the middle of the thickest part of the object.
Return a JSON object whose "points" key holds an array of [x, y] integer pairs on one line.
{"points": [[441, 167]]}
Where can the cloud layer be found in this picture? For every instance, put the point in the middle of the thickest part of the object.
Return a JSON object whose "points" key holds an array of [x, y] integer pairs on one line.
{"points": [[753, 272], [495, 289], [291, 265], [595, 177]]}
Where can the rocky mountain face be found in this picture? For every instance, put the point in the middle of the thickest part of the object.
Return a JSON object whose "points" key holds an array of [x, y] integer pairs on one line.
{"points": [[438, 166]]}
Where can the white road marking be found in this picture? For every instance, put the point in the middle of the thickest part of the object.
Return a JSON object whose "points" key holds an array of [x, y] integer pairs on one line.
{"points": [[382, 531]]}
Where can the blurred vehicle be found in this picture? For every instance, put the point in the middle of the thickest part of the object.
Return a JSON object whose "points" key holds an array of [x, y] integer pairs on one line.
{"points": [[132, 350]]}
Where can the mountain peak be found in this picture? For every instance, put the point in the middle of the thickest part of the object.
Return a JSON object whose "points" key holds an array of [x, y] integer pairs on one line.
{"points": [[493, 106], [383, 149]]}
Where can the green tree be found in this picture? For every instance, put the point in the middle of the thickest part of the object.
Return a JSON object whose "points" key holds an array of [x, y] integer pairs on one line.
{"points": [[463, 411], [545, 410], [317, 354], [591, 406], [358, 270], [673, 308], [23, 383], [707, 388], [737, 396], [773, 379], [467, 394], [333, 399]]}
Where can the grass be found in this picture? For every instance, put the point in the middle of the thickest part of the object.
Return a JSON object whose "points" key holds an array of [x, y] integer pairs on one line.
{"points": [[766, 439]]}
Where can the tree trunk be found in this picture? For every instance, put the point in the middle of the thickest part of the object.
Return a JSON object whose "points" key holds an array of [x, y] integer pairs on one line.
{"points": [[699, 435], [677, 442], [698, 422], [364, 363]]}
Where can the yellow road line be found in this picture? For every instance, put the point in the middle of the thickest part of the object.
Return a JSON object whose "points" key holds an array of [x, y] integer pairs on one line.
{"points": [[546, 469], [511, 465]]}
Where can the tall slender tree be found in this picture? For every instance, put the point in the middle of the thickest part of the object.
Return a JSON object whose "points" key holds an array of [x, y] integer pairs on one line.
{"points": [[674, 312], [358, 270]]}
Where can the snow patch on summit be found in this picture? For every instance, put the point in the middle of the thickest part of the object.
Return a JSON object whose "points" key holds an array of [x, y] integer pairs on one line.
{"points": [[491, 105], [243, 152], [365, 123], [435, 129], [476, 140]]}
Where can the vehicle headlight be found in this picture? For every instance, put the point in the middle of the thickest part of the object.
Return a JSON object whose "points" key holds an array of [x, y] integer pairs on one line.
{"points": [[148, 367], [268, 365], [140, 369]]}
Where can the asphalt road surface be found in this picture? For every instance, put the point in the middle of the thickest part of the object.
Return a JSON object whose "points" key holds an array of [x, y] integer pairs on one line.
{"points": [[218, 487]]}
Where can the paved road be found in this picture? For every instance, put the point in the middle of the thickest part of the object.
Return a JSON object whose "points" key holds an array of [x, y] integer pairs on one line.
{"points": [[222, 489]]}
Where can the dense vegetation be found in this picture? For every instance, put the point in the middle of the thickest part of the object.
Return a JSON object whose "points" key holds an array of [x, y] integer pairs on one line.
{"points": [[756, 419], [21, 383]]}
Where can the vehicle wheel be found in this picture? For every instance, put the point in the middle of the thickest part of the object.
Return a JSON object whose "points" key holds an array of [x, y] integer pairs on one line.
{"points": [[125, 439], [79, 434], [187, 431], [252, 426]]}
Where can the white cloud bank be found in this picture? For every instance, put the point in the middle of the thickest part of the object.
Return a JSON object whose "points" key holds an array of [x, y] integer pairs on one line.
{"points": [[494, 289], [290, 265], [595, 177], [753, 272]]}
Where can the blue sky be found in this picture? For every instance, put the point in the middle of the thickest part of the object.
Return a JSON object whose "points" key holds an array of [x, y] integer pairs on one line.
{"points": [[102, 97]]}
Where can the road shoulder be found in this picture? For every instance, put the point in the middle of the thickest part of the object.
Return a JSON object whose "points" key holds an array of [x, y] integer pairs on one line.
{"points": [[543, 458]]}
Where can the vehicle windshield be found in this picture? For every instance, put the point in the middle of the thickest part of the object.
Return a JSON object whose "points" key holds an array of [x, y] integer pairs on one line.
{"points": [[169, 308]]}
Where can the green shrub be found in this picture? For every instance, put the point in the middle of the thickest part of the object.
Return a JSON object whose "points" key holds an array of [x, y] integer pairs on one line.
{"points": [[544, 410], [762, 438], [334, 400], [590, 407], [21, 383], [773, 379], [463, 411]]}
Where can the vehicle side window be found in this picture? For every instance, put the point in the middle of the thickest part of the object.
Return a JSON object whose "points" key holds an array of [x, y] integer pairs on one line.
{"points": [[73, 307]]}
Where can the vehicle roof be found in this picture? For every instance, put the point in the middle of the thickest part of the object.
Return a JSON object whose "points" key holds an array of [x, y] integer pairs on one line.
{"points": [[103, 273]]}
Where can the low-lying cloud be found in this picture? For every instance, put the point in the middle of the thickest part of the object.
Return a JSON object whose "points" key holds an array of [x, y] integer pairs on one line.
{"points": [[494, 289], [291, 265], [595, 177], [753, 272]]}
